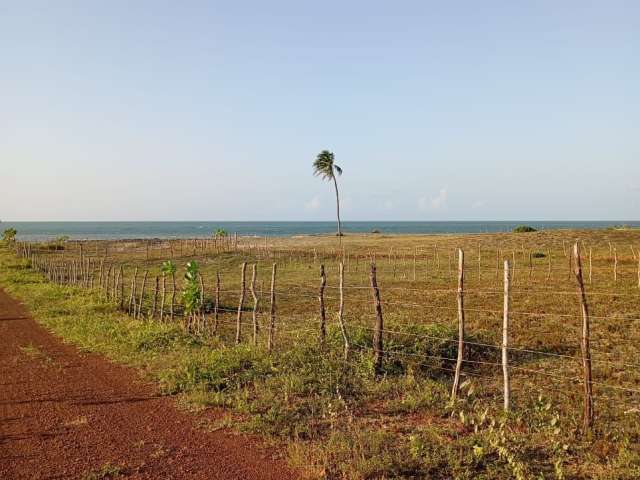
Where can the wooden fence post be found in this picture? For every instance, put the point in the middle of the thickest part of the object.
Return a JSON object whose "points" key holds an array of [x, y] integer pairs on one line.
{"points": [[590, 267], [162, 296], [144, 283], [120, 280], [132, 297], [114, 293], [201, 317], [615, 264], [460, 298], [505, 338], [343, 328], [173, 295], [323, 318], [272, 324], [378, 344], [584, 344], [100, 278], [216, 303], [155, 298], [108, 281], [395, 261], [256, 300], [243, 271]]}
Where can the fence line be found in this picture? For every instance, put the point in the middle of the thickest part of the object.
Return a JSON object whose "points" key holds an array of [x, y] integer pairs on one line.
{"points": [[110, 282]]}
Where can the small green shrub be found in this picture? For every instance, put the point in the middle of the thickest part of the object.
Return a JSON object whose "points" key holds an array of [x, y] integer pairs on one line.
{"points": [[524, 229], [9, 235], [191, 291]]}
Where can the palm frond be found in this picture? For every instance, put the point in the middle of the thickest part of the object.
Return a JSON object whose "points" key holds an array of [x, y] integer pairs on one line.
{"points": [[323, 165]]}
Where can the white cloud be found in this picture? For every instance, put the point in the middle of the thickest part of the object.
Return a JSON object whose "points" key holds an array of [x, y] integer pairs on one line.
{"points": [[477, 204], [435, 203], [313, 204], [388, 205]]}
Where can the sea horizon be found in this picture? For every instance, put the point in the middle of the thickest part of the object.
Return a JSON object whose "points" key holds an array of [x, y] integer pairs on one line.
{"points": [[113, 230]]}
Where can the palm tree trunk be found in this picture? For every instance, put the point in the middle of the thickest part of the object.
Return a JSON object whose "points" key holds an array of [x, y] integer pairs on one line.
{"points": [[335, 184]]}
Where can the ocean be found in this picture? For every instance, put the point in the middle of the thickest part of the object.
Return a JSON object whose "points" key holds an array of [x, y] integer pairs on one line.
{"points": [[121, 230]]}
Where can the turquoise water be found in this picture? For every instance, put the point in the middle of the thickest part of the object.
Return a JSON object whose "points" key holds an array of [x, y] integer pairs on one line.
{"points": [[119, 230]]}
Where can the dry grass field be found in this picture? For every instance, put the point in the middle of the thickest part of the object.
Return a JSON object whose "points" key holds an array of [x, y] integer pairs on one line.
{"points": [[336, 417]]}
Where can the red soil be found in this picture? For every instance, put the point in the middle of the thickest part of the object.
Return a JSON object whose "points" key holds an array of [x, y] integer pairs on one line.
{"points": [[65, 414]]}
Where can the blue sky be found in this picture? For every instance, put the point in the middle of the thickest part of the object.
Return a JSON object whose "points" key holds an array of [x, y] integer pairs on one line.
{"points": [[158, 110]]}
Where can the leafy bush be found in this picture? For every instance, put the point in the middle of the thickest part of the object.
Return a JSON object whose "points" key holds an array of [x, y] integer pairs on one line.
{"points": [[168, 268], [9, 235], [191, 292], [524, 229], [220, 232]]}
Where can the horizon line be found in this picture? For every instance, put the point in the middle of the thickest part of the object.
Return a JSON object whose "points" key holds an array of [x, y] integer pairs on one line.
{"points": [[322, 221]]}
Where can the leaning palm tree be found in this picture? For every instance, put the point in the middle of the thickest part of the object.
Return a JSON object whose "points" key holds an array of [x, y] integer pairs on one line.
{"points": [[324, 167]]}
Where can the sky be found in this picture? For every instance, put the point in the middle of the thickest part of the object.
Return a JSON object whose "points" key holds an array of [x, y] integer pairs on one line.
{"points": [[163, 110]]}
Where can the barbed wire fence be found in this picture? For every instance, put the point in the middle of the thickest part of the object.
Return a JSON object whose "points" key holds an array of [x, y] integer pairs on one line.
{"points": [[153, 299]]}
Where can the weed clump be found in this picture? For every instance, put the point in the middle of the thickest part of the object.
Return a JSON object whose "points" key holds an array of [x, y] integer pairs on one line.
{"points": [[524, 229]]}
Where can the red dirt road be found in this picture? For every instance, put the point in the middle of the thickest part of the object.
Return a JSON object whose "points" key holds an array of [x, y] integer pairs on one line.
{"points": [[64, 414]]}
